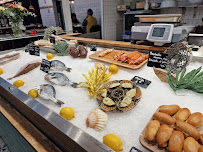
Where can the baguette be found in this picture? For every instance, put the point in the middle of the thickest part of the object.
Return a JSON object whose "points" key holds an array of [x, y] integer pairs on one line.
{"points": [[163, 135], [182, 114], [164, 118], [195, 119], [190, 145], [176, 142], [151, 130], [188, 129], [170, 109]]}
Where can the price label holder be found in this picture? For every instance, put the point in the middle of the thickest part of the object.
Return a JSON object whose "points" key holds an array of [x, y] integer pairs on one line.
{"points": [[141, 81], [33, 50], [93, 47], [157, 59], [133, 149], [52, 39], [45, 65]]}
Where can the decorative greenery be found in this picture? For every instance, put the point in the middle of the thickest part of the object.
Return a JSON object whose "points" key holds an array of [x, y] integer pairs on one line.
{"points": [[61, 48], [50, 31], [191, 81]]}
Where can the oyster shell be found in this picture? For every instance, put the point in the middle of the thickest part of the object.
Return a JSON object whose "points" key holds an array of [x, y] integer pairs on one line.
{"points": [[107, 101], [131, 93], [97, 120], [114, 85], [104, 93], [127, 85], [125, 102]]}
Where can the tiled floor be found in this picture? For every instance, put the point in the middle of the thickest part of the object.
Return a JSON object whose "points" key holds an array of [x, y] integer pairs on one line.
{"points": [[3, 146]]}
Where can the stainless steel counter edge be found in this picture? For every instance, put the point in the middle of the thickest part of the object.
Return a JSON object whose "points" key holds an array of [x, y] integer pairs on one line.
{"points": [[63, 133]]}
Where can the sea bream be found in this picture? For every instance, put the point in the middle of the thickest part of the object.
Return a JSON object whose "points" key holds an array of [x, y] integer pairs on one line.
{"points": [[59, 79], [48, 92], [57, 65], [27, 68]]}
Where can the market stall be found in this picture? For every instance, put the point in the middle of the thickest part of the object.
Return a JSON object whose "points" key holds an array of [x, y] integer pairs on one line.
{"points": [[127, 124]]}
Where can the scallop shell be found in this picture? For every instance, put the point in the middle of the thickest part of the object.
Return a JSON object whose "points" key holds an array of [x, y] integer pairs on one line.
{"points": [[97, 120], [127, 85]]}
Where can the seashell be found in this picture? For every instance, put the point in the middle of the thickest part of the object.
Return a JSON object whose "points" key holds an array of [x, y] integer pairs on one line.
{"points": [[107, 101], [131, 93], [97, 120], [114, 85], [127, 85], [126, 102], [104, 93]]}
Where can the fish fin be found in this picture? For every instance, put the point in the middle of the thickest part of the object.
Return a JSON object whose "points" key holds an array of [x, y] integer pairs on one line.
{"points": [[74, 85], [59, 103], [68, 69]]}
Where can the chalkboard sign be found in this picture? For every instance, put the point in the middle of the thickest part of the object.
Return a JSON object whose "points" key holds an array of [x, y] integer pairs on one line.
{"points": [[157, 59], [33, 50], [141, 81], [52, 39], [133, 149], [93, 47], [45, 65]]}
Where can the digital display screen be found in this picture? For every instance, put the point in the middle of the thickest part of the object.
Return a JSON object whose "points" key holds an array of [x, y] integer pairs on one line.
{"points": [[158, 32]]}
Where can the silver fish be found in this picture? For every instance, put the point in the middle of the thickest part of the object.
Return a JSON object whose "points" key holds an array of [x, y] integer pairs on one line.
{"points": [[57, 65], [59, 79], [48, 92]]}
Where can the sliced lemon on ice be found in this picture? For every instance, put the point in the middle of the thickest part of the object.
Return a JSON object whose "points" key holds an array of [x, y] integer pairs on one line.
{"points": [[33, 93], [113, 142], [50, 56], [18, 83], [67, 113]]}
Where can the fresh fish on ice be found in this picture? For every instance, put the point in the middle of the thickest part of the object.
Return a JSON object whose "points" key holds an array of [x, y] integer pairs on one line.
{"points": [[59, 79], [27, 68], [57, 65], [48, 92], [9, 58]]}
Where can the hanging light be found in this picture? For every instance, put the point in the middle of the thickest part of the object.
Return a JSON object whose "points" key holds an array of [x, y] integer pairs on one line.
{"points": [[31, 7]]}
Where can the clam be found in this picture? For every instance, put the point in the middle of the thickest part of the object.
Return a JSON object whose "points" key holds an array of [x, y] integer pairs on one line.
{"points": [[127, 85], [97, 120], [108, 101], [131, 93], [125, 102], [114, 85], [104, 93]]}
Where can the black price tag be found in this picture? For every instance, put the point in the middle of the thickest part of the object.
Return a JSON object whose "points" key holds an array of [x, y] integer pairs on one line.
{"points": [[33, 50], [45, 65], [157, 59], [52, 39], [93, 47], [141, 81], [133, 149]]}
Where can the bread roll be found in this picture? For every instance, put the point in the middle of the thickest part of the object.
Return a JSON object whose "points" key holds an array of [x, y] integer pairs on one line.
{"points": [[176, 142], [170, 109], [163, 135], [151, 130], [188, 129], [164, 118], [195, 119], [201, 149], [190, 145], [201, 139], [182, 114]]}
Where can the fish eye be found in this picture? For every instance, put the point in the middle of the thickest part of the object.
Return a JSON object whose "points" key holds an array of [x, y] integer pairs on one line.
{"points": [[52, 74]]}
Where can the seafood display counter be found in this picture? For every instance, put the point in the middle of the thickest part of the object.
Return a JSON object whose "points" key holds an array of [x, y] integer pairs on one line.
{"points": [[73, 135]]}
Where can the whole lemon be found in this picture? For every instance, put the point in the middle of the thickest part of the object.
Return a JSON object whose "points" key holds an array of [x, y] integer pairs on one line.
{"points": [[113, 142], [67, 113], [33, 93], [1, 71], [113, 69], [50, 56], [18, 83]]}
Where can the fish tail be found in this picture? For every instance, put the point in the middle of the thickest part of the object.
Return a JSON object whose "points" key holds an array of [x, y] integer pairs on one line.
{"points": [[10, 78], [68, 69], [74, 85], [59, 103]]}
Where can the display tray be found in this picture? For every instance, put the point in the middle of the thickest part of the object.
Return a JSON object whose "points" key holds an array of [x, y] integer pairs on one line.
{"points": [[154, 146], [109, 59]]}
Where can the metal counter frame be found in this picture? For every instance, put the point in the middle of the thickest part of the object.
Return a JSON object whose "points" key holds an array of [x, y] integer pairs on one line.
{"points": [[64, 134]]}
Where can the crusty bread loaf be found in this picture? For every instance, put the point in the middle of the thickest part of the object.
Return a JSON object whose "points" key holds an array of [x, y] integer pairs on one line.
{"points": [[169, 109], [163, 135], [182, 114], [164, 118], [151, 130], [190, 145], [176, 142], [195, 119]]}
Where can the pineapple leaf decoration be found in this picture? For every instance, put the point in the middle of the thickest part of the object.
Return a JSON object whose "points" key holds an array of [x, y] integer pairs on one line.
{"points": [[61, 48]]}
